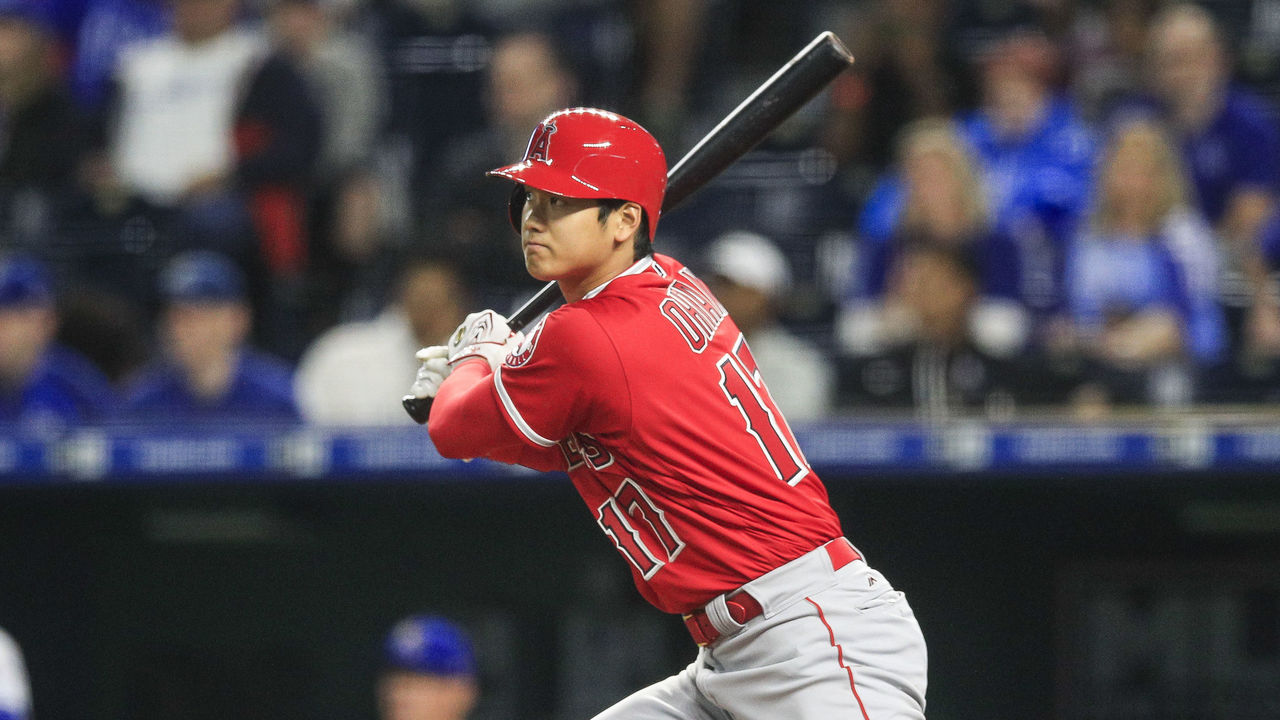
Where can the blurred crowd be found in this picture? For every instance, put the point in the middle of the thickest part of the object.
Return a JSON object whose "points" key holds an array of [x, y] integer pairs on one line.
{"points": [[217, 209]]}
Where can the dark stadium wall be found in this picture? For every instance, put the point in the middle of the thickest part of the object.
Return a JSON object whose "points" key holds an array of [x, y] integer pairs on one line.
{"points": [[209, 600]]}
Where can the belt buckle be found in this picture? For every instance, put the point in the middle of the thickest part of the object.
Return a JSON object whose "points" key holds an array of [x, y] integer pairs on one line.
{"points": [[699, 626]]}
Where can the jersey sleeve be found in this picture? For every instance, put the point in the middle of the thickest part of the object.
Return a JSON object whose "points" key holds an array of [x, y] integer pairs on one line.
{"points": [[466, 422], [566, 377]]}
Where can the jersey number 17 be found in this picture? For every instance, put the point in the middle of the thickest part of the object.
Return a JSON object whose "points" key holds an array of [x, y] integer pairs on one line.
{"points": [[744, 387]]}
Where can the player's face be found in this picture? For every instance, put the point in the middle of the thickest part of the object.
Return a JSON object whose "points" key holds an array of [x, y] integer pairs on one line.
{"points": [[564, 240]]}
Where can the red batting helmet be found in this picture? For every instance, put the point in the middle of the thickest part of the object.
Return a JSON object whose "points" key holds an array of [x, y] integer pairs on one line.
{"points": [[589, 153]]}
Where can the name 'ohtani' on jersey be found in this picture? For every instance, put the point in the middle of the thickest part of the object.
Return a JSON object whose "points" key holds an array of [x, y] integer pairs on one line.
{"points": [[693, 310]]}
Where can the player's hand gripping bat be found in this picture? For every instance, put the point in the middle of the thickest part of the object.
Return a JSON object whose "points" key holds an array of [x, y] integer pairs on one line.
{"points": [[793, 85]]}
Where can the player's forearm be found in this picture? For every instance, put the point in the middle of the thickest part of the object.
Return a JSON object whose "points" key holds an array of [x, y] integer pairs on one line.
{"points": [[465, 419], [466, 422]]}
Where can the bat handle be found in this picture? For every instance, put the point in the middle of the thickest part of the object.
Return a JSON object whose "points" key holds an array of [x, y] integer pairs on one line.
{"points": [[418, 408]]}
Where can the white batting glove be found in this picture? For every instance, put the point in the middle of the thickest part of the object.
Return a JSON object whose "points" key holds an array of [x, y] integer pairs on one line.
{"points": [[484, 335], [432, 372]]}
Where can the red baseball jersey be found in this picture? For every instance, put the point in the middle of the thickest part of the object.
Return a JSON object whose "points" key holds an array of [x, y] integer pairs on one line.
{"points": [[648, 389]]}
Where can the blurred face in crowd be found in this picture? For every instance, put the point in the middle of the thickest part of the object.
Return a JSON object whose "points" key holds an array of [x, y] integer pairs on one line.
{"points": [[939, 292], [945, 197], [25, 59], [199, 334], [410, 696], [1131, 177], [299, 26], [936, 192], [1016, 81], [199, 20], [1127, 23], [432, 297], [749, 307], [1142, 180], [25, 333], [1188, 66], [526, 83]]}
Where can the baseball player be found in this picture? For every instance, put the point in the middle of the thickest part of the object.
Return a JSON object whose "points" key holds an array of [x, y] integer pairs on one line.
{"points": [[643, 390]]}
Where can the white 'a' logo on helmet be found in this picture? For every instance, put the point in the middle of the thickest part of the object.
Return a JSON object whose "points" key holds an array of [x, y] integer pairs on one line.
{"points": [[540, 143]]}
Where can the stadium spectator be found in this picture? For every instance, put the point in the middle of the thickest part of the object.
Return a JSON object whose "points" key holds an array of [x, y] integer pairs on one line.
{"points": [[354, 373], [44, 386], [671, 37], [526, 81], [429, 671], [1142, 296], [1231, 144], [207, 370], [644, 56], [1107, 46], [752, 278], [42, 140], [909, 66], [943, 203], [940, 368], [15, 689], [435, 53], [1036, 157], [108, 330], [346, 80], [213, 136], [105, 28], [170, 149]]}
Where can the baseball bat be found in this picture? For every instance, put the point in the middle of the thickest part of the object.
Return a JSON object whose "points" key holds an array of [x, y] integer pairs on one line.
{"points": [[785, 92]]}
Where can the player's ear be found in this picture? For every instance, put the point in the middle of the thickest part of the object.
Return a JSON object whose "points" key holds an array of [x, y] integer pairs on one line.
{"points": [[628, 218]]}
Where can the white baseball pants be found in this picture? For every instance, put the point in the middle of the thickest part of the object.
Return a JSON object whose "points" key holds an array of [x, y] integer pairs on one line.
{"points": [[830, 645]]}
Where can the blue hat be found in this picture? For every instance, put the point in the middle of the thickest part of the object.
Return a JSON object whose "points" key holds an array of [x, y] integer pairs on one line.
{"points": [[25, 282], [202, 276], [431, 645]]}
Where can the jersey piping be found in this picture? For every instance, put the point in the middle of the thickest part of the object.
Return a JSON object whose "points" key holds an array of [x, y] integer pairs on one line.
{"points": [[514, 413], [636, 268]]}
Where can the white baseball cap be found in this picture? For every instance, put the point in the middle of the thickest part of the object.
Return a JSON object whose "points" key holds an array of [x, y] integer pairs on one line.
{"points": [[749, 259]]}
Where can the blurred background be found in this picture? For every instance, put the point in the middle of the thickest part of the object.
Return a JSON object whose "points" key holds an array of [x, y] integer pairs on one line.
{"points": [[1012, 278]]}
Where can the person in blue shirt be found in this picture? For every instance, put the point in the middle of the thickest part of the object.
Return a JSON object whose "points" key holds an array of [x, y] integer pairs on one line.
{"points": [[44, 386], [1142, 300], [105, 28], [1036, 156], [1231, 143], [207, 370]]}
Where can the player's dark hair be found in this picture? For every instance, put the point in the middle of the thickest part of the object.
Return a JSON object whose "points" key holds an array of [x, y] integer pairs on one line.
{"points": [[643, 248]]}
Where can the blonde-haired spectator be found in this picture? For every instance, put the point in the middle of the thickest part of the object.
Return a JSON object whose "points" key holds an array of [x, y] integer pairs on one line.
{"points": [[1232, 148], [1141, 279], [944, 205], [944, 184]]}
